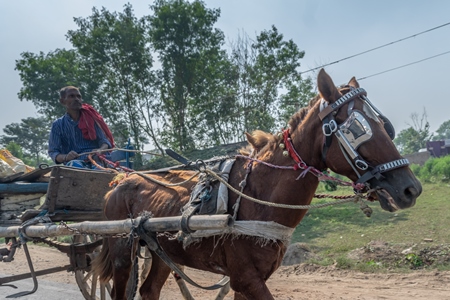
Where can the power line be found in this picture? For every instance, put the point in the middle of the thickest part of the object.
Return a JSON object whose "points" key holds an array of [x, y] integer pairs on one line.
{"points": [[373, 49], [396, 68]]}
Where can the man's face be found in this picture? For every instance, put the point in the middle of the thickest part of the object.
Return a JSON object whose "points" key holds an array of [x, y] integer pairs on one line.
{"points": [[73, 100]]}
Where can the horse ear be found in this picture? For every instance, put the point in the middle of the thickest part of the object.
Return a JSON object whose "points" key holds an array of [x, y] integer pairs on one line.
{"points": [[353, 82], [251, 140], [326, 87]]}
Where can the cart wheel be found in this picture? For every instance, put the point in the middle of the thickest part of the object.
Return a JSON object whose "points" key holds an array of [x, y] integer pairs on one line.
{"points": [[8, 256], [90, 286]]}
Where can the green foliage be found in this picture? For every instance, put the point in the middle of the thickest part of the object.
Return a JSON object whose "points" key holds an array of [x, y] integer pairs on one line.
{"points": [[434, 170], [370, 266], [201, 96], [415, 168], [117, 63], [342, 262], [189, 48], [43, 75], [415, 260], [15, 149], [27, 139], [414, 138], [269, 86], [411, 140], [443, 132]]}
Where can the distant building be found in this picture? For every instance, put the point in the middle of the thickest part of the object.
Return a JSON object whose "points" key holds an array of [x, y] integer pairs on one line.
{"points": [[438, 148]]}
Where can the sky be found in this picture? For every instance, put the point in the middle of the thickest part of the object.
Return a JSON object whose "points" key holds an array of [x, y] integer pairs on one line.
{"points": [[327, 30]]}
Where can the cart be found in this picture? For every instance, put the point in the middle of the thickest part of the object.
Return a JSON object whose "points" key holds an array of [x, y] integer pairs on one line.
{"points": [[74, 198]]}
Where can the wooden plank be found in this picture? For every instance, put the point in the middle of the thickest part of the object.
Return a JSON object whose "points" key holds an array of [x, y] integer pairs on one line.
{"points": [[10, 177], [64, 215], [77, 189], [203, 222], [9, 217], [21, 206], [15, 198], [36, 175]]}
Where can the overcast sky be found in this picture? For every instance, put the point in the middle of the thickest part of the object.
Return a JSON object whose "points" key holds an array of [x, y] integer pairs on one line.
{"points": [[327, 30]]}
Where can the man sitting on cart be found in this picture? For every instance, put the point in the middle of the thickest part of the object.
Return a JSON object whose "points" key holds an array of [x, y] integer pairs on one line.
{"points": [[81, 130]]}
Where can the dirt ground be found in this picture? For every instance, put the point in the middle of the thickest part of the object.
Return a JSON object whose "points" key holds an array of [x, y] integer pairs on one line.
{"points": [[298, 281]]}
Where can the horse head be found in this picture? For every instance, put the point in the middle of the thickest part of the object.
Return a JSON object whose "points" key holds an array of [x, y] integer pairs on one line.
{"points": [[358, 144]]}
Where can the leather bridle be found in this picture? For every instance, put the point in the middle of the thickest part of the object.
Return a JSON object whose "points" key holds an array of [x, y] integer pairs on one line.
{"points": [[354, 131]]}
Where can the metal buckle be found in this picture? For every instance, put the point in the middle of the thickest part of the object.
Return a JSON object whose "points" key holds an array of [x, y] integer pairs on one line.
{"points": [[362, 165], [329, 128]]}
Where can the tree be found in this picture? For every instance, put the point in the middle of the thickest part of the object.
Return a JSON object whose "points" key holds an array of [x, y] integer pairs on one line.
{"points": [[15, 150], [188, 48], [111, 64], [43, 75], [31, 135], [200, 97], [443, 132], [270, 88], [114, 47], [415, 137]]}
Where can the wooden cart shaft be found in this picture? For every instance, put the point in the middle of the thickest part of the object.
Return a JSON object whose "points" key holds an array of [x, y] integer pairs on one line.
{"points": [[202, 222]]}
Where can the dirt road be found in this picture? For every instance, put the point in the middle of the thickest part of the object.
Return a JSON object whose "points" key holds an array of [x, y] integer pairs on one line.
{"points": [[299, 282]]}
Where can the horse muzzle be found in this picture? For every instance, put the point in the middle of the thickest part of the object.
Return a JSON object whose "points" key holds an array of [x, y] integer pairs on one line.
{"points": [[399, 189]]}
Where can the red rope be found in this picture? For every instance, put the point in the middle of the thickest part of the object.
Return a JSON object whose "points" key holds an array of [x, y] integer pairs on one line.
{"points": [[115, 165]]}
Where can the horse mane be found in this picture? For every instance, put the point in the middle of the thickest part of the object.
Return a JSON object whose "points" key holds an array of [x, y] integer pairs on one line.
{"points": [[300, 115], [261, 139]]}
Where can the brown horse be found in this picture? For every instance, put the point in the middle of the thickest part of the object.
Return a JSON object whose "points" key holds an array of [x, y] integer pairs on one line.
{"points": [[339, 130]]}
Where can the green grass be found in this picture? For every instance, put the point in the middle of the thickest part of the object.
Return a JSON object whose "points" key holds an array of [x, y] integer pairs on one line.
{"points": [[333, 231]]}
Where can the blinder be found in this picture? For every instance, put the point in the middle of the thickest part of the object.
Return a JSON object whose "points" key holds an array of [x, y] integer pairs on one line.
{"points": [[386, 123], [355, 131]]}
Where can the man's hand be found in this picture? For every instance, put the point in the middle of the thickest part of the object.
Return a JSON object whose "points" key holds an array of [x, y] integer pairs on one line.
{"points": [[71, 155], [101, 149]]}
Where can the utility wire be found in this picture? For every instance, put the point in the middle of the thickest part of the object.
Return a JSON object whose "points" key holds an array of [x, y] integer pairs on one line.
{"points": [[373, 49], [396, 68]]}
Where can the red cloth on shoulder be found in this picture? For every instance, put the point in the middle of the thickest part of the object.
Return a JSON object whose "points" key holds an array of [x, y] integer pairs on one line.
{"points": [[88, 117]]}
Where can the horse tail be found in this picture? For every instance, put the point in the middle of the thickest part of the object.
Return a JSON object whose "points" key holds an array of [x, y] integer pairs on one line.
{"points": [[102, 265]]}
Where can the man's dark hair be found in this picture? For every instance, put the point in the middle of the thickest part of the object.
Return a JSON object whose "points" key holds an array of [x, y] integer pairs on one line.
{"points": [[63, 91]]}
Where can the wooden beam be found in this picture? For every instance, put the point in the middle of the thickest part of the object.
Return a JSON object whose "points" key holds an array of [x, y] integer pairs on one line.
{"points": [[160, 224]]}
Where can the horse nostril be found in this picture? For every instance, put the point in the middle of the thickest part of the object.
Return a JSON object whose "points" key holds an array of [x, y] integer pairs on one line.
{"points": [[411, 193]]}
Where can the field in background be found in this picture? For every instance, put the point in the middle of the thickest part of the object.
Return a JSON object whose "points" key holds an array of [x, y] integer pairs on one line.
{"points": [[333, 232]]}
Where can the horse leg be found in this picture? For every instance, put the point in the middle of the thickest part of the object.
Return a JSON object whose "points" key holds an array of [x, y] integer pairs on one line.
{"points": [[182, 285], [120, 255], [146, 265], [255, 288], [247, 278], [159, 272]]}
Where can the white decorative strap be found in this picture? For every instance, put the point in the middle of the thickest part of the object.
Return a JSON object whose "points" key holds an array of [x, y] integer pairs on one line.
{"points": [[393, 165]]}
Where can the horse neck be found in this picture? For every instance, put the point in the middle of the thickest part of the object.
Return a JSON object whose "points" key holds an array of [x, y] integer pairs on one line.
{"points": [[308, 139], [277, 185]]}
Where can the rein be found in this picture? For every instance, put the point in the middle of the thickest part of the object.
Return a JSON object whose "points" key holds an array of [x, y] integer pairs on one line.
{"points": [[341, 199]]}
